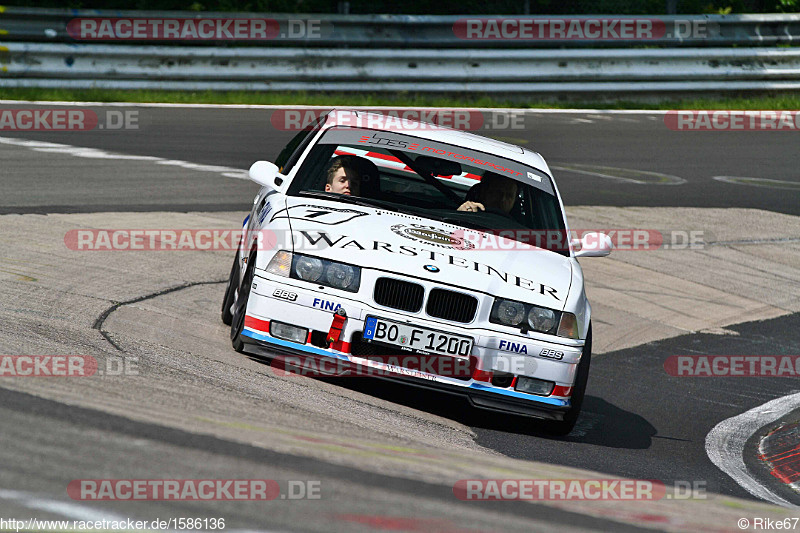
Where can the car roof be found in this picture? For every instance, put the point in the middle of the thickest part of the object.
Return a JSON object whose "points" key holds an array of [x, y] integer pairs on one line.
{"points": [[434, 132]]}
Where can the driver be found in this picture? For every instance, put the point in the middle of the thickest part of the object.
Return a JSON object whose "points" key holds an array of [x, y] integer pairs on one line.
{"points": [[494, 192], [344, 175]]}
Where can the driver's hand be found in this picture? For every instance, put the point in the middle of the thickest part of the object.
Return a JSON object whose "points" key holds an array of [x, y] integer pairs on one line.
{"points": [[471, 206]]}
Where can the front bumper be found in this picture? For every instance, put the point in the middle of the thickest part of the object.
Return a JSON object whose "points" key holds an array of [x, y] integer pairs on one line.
{"points": [[309, 310]]}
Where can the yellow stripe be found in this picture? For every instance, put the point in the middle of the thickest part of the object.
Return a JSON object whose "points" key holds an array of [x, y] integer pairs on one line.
{"points": [[2, 9], [3, 32], [22, 277]]}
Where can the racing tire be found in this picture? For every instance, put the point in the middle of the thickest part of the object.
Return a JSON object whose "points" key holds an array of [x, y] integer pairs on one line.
{"points": [[564, 427], [240, 305], [230, 292]]}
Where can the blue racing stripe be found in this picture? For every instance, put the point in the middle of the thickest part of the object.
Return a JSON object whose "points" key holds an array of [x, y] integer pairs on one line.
{"points": [[521, 395], [295, 346], [477, 386]]}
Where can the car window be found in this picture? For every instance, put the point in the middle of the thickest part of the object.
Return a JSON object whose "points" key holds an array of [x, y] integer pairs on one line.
{"points": [[433, 180], [294, 149]]}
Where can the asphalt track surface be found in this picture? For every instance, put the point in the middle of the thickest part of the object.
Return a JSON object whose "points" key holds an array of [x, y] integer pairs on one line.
{"points": [[35, 426], [237, 137], [636, 423], [653, 423]]}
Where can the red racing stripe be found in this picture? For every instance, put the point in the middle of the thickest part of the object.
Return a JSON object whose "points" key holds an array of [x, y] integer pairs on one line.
{"points": [[560, 390], [256, 324]]}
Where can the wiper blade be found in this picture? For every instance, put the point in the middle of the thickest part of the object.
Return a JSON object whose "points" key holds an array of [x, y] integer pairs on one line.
{"points": [[357, 200], [460, 222], [330, 196]]}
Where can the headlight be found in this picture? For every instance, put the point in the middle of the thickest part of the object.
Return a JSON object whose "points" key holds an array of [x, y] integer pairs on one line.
{"points": [[525, 316], [510, 313], [542, 319], [324, 272], [339, 275], [308, 268]]}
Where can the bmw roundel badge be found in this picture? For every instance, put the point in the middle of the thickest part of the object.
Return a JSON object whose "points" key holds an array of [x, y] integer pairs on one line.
{"points": [[431, 268]]}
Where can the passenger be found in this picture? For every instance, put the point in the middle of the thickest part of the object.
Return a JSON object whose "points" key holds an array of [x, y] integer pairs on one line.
{"points": [[493, 192], [345, 173]]}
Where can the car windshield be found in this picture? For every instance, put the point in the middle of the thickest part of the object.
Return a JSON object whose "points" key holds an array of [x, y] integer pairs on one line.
{"points": [[434, 180]]}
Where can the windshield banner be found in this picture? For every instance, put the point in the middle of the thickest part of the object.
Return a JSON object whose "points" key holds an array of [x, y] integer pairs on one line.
{"points": [[382, 140]]}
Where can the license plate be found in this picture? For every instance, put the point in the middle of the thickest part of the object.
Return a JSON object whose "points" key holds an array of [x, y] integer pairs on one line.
{"points": [[416, 339]]}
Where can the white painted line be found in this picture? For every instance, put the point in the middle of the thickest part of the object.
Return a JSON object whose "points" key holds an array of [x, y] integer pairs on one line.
{"points": [[758, 182], [375, 107], [95, 153], [666, 179], [725, 444], [69, 509]]}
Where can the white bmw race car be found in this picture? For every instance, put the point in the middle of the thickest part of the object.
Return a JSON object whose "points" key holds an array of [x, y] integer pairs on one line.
{"points": [[417, 253]]}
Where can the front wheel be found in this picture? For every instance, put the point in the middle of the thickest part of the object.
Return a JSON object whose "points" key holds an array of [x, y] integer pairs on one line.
{"points": [[564, 427], [240, 305]]}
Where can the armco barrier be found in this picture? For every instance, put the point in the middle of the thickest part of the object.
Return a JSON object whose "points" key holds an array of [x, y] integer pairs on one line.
{"points": [[198, 68], [420, 31], [400, 53]]}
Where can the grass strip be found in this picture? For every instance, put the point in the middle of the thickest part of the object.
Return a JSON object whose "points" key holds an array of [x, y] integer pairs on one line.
{"points": [[780, 101]]}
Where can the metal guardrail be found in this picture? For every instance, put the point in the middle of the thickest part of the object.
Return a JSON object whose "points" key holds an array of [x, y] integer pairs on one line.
{"points": [[413, 31], [397, 53], [198, 68]]}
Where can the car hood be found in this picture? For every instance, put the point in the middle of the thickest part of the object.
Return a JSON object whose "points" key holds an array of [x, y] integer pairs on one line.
{"points": [[428, 249]]}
